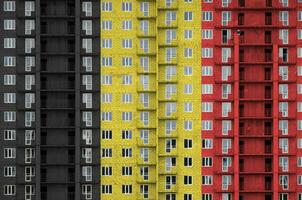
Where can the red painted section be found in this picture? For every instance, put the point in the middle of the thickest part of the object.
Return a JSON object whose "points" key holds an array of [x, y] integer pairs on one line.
{"points": [[255, 80]]}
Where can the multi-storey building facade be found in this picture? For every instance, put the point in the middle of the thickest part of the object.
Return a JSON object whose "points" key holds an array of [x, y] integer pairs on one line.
{"points": [[49, 120], [150, 99], [251, 86]]}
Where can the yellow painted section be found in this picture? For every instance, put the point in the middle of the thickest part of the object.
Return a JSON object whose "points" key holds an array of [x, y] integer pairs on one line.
{"points": [[155, 110]]}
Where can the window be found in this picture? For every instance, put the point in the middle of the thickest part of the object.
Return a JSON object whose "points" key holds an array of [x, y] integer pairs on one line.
{"points": [[9, 79], [126, 171], [207, 71], [87, 100], [127, 43], [9, 152], [206, 180], [87, 45], [299, 15], [170, 17], [126, 134], [106, 6], [283, 17], [188, 34], [9, 24], [87, 63], [126, 79], [188, 180], [144, 154], [87, 173], [226, 145], [144, 118], [144, 136], [9, 134], [106, 189], [105, 98], [9, 6], [207, 34], [126, 61], [106, 116], [207, 144], [126, 189], [299, 106], [188, 107], [106, 43], [126, 116], [29, 45], [188, 89], [283, 181], [299, 143], [170, 54], [207, 106], [9, 98], [9, 61], [226, 163], [226, 181], [225, 108], [106, 171], [87, 81], [87, 26], [106, 153], [29, 81], [9, 43], [29, 7], [188, 143], [29, 118], [9, 116], [226, 18], [207, 196], [283, 196], [188, 125], [9, 190], [170, 108], [29, 154], [299, 52], [188, 71], [188, 52], [207, 53], [106, 134], [226, 126], [106, 79], [207, 162], [126, 98], [283, 35], [207, 89], [188, 161], [87, 9], [207, 16], [106, 25], [225, 54], [126, 6], [87, 118], [87, 191], [299, 34], [299, 161], [9, 171], [29, 26], [299, 70], [127, 25], [207, 125], [106, 61], [188, 16]]}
